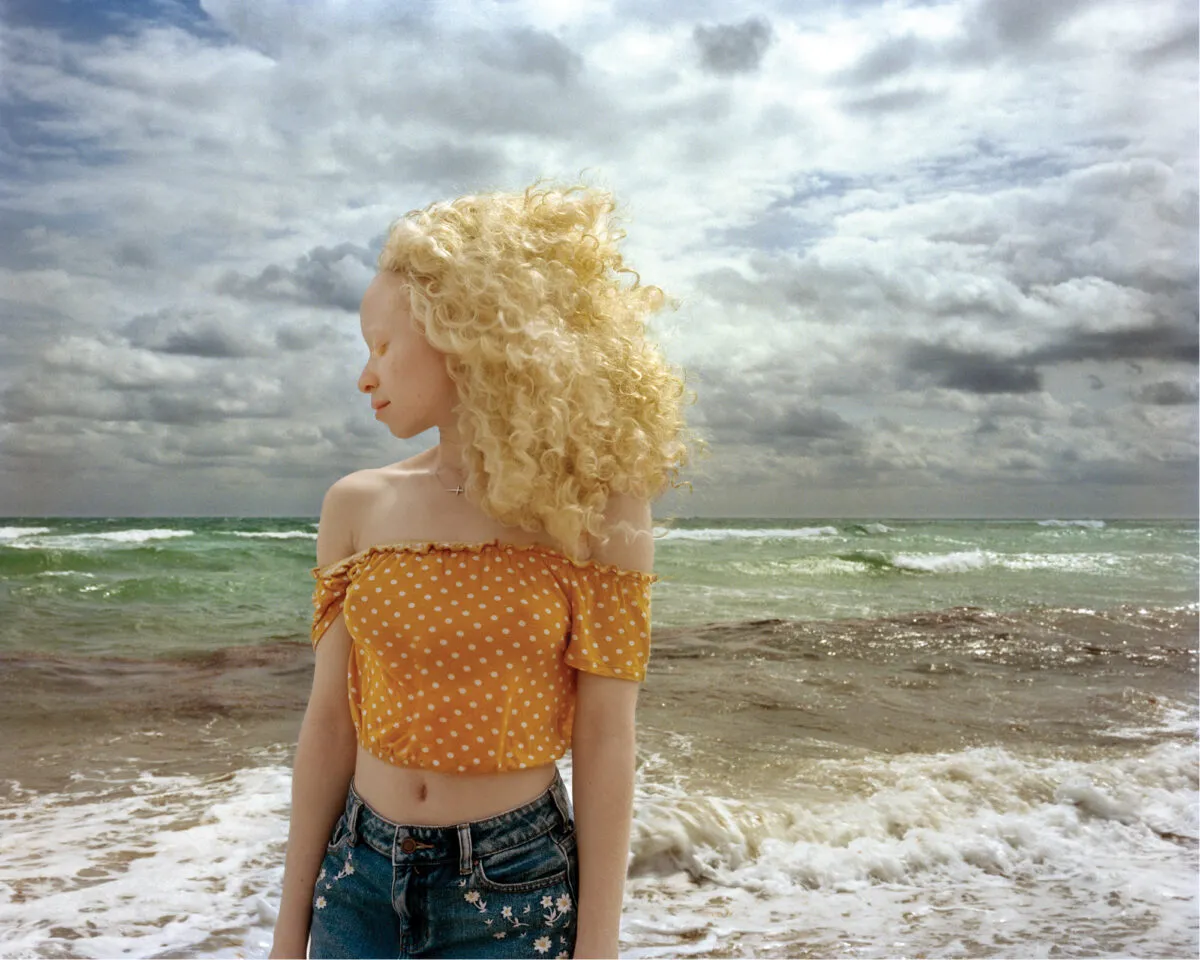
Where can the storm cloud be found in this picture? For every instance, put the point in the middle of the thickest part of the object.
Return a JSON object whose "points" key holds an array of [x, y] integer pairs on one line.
{"points": [[733, 48], [323, 277], [925, 252], [973, 371]]}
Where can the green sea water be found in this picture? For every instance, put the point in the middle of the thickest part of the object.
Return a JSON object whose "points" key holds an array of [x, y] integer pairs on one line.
{"points": [[161, 587]]}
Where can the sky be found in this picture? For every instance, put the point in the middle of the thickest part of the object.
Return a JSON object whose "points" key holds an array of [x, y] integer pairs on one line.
{"points": [[931, 258]]}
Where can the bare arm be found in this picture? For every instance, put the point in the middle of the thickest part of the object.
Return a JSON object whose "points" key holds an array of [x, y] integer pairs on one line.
{"points": [[603, 754], [603, 750], [325, 753]]}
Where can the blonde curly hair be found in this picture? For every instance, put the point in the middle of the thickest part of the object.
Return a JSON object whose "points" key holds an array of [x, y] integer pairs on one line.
{"points": [[562, 399]]}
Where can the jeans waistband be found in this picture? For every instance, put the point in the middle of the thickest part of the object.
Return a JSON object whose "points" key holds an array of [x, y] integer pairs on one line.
{"points": [[422, 844]]}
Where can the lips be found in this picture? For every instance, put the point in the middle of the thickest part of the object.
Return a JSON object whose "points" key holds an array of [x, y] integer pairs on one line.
{"points": [[379, 406]]}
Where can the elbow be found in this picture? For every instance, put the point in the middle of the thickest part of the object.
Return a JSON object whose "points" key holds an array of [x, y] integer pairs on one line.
{"points": [[604, 755]]}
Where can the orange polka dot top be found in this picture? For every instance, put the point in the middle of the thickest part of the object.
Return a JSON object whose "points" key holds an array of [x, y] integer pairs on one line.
{"points": [[464, 655]]}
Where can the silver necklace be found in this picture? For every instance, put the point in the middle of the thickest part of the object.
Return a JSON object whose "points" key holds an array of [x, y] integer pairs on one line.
{"points": [[458, 491]]}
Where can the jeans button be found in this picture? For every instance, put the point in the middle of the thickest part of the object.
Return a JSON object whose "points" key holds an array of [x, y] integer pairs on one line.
{"points": [[408, 845]]}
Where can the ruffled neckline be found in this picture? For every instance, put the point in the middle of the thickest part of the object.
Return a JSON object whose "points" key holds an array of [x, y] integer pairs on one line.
{"points": [[430, 546]]}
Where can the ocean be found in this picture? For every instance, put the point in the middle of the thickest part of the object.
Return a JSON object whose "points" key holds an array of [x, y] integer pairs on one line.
{"points": [[857, 738]]}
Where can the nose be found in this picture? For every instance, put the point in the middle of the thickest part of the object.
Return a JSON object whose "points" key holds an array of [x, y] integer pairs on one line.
{"points": [[367, 381]]}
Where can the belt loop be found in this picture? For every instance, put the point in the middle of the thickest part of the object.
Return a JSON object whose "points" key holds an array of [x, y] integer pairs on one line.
{"points": [[558, 791], [352, 814], [464, 848]]}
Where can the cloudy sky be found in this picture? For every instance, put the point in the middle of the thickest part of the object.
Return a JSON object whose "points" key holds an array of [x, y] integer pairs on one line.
{"points": [[933, 258]]}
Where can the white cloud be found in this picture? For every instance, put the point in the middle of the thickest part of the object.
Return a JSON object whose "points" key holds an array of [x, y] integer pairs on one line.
{"points": [[980, 215]]}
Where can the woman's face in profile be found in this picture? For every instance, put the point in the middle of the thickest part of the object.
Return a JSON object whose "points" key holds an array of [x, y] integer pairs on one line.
{"points": [[404, 376]]}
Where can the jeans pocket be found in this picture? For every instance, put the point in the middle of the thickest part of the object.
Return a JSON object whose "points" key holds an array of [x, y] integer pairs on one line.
{"points": [[533, 865], [340, 835]]}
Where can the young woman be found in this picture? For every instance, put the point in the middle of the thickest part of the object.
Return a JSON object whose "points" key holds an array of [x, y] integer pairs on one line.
{"points": [[484, 606]]}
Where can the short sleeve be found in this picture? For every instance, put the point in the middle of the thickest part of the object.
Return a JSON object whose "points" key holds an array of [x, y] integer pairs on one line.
{"points": [[328, 595], [610, 621]]}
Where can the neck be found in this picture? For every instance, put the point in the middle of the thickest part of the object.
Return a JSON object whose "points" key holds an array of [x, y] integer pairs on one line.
{"points": [[449, 460]]}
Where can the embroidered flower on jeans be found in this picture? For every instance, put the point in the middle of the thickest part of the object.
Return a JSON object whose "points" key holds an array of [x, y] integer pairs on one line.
{"points": [[320, 904], [556, 909], [542, 944], [347, 870], [507, 914], [472, 897]]}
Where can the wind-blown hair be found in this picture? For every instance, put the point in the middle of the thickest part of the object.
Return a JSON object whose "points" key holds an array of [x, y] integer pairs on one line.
{"points": [[562, 398]]}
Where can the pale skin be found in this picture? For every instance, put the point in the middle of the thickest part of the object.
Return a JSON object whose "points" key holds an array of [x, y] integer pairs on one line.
{"points": [[406, 379]]}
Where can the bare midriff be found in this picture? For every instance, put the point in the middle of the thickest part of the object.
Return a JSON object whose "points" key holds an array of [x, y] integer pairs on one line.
{"points": [[424, 798]]}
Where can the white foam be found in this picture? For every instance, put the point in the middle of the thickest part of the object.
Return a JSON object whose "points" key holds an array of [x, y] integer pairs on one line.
{"points": [[274, 534], [145, 875], [1163, 716], [905, 855], [877, 528], [13, 533], [959, 562], [85, 541], [1089, 524], [912, 857], [967, 560], [714, 534], [139, 536]]}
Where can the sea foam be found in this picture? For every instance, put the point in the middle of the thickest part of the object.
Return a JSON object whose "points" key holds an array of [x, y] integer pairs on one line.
{"points": [[1103, 848], [274, 534], [100, 539], [909, 861], [959, 562], [14, 533], [714, 534]]}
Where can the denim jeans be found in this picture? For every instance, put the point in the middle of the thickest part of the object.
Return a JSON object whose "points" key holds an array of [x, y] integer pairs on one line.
{"points": [[502, 887]]}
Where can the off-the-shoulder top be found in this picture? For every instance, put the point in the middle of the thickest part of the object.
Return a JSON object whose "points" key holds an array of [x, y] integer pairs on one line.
{"points": [[464, 654]]}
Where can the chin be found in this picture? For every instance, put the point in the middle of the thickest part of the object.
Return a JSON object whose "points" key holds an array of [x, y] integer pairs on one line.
{"points": [[401, 433]]}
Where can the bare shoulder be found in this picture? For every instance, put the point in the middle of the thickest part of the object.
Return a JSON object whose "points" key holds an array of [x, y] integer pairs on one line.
{"points": [[345, 502], [359, 484], [630, 525]]}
